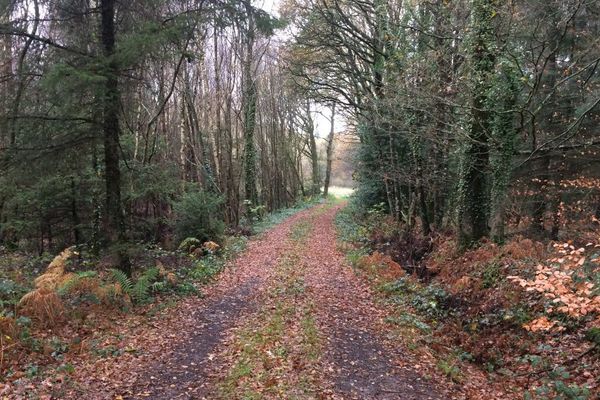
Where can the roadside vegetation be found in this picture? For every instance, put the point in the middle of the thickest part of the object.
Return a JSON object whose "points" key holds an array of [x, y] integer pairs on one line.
{"points": [[142, 143], [515, 320], [71, 303]]}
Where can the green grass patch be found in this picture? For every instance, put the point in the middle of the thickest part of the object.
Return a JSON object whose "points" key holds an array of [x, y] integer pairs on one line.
{"points": [[310, 334], [278, 216]]}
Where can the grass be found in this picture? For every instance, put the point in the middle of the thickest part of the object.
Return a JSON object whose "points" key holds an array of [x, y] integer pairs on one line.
{"points": [[300, 230], [450, 368], [276, 217], [310, 333], [348, 227], [17, 272], [408, 325]]}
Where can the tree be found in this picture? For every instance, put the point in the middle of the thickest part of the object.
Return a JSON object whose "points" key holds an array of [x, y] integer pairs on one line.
{"points": [[249, 108], [329, 152], [113, 219], [475, 165], [459, 106]]}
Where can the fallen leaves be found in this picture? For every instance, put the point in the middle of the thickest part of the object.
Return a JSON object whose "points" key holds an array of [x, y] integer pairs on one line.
{"points": [[543, 324]]}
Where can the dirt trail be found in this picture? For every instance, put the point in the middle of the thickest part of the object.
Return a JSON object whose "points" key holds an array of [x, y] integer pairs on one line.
{"points": [[362, 364], [288, 321], [173, 362]]}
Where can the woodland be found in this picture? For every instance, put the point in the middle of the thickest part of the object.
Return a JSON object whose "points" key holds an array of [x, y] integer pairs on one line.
{"points": [[300, 199]]}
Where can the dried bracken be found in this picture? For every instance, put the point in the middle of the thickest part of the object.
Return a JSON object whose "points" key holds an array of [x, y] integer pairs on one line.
{"points": [[43, 303], [211, 247]]}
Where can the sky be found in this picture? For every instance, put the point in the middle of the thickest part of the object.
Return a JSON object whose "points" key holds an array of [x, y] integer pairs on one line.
{"points": [[270, 6]]}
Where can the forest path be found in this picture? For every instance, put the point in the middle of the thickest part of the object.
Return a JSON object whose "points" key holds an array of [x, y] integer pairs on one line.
{"points": [[288, 321]]}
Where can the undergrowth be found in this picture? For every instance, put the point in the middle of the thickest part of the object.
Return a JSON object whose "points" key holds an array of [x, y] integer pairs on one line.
{"points": [[467, 311], [87, 291]]}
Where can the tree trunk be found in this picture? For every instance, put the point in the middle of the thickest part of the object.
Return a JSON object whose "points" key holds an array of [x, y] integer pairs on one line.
{"points": [[113, 219], [549, 121], [20, 73], [74, 214], [425, 219], [249, 109], [441, 146], [6, 83], [329, 153], [183, 145], [539, 204], [504, 135], [475, 207], [314, 153]]}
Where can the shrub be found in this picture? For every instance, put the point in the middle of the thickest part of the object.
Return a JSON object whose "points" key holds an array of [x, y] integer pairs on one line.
{"points": [[561, 288], [450, 369], [198, 214], [207, 268], [189, 244], [490, 275], [369, 192], [432, 301]]}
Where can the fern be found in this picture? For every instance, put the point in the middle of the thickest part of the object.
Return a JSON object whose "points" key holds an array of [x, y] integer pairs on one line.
{"points": [[151, 274], [159, 286], [122, 279], [143, 285], [66, 287], [140, 290]]}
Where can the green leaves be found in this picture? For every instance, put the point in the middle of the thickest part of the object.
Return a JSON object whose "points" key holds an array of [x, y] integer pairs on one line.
{"points": [[140, 290], [122, 279], [266, 23], [593, 335], [198, 214], [10, 292]]}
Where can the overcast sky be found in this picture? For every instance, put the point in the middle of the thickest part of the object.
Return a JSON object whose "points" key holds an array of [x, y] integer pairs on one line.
{"points": [[268, 5]]}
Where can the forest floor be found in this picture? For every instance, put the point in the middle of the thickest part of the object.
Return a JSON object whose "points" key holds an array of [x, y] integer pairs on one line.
{"points": [[289, 319]]}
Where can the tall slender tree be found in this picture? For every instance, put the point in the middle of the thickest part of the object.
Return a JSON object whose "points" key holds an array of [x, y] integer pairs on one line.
{"points": [[113, 218]]}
